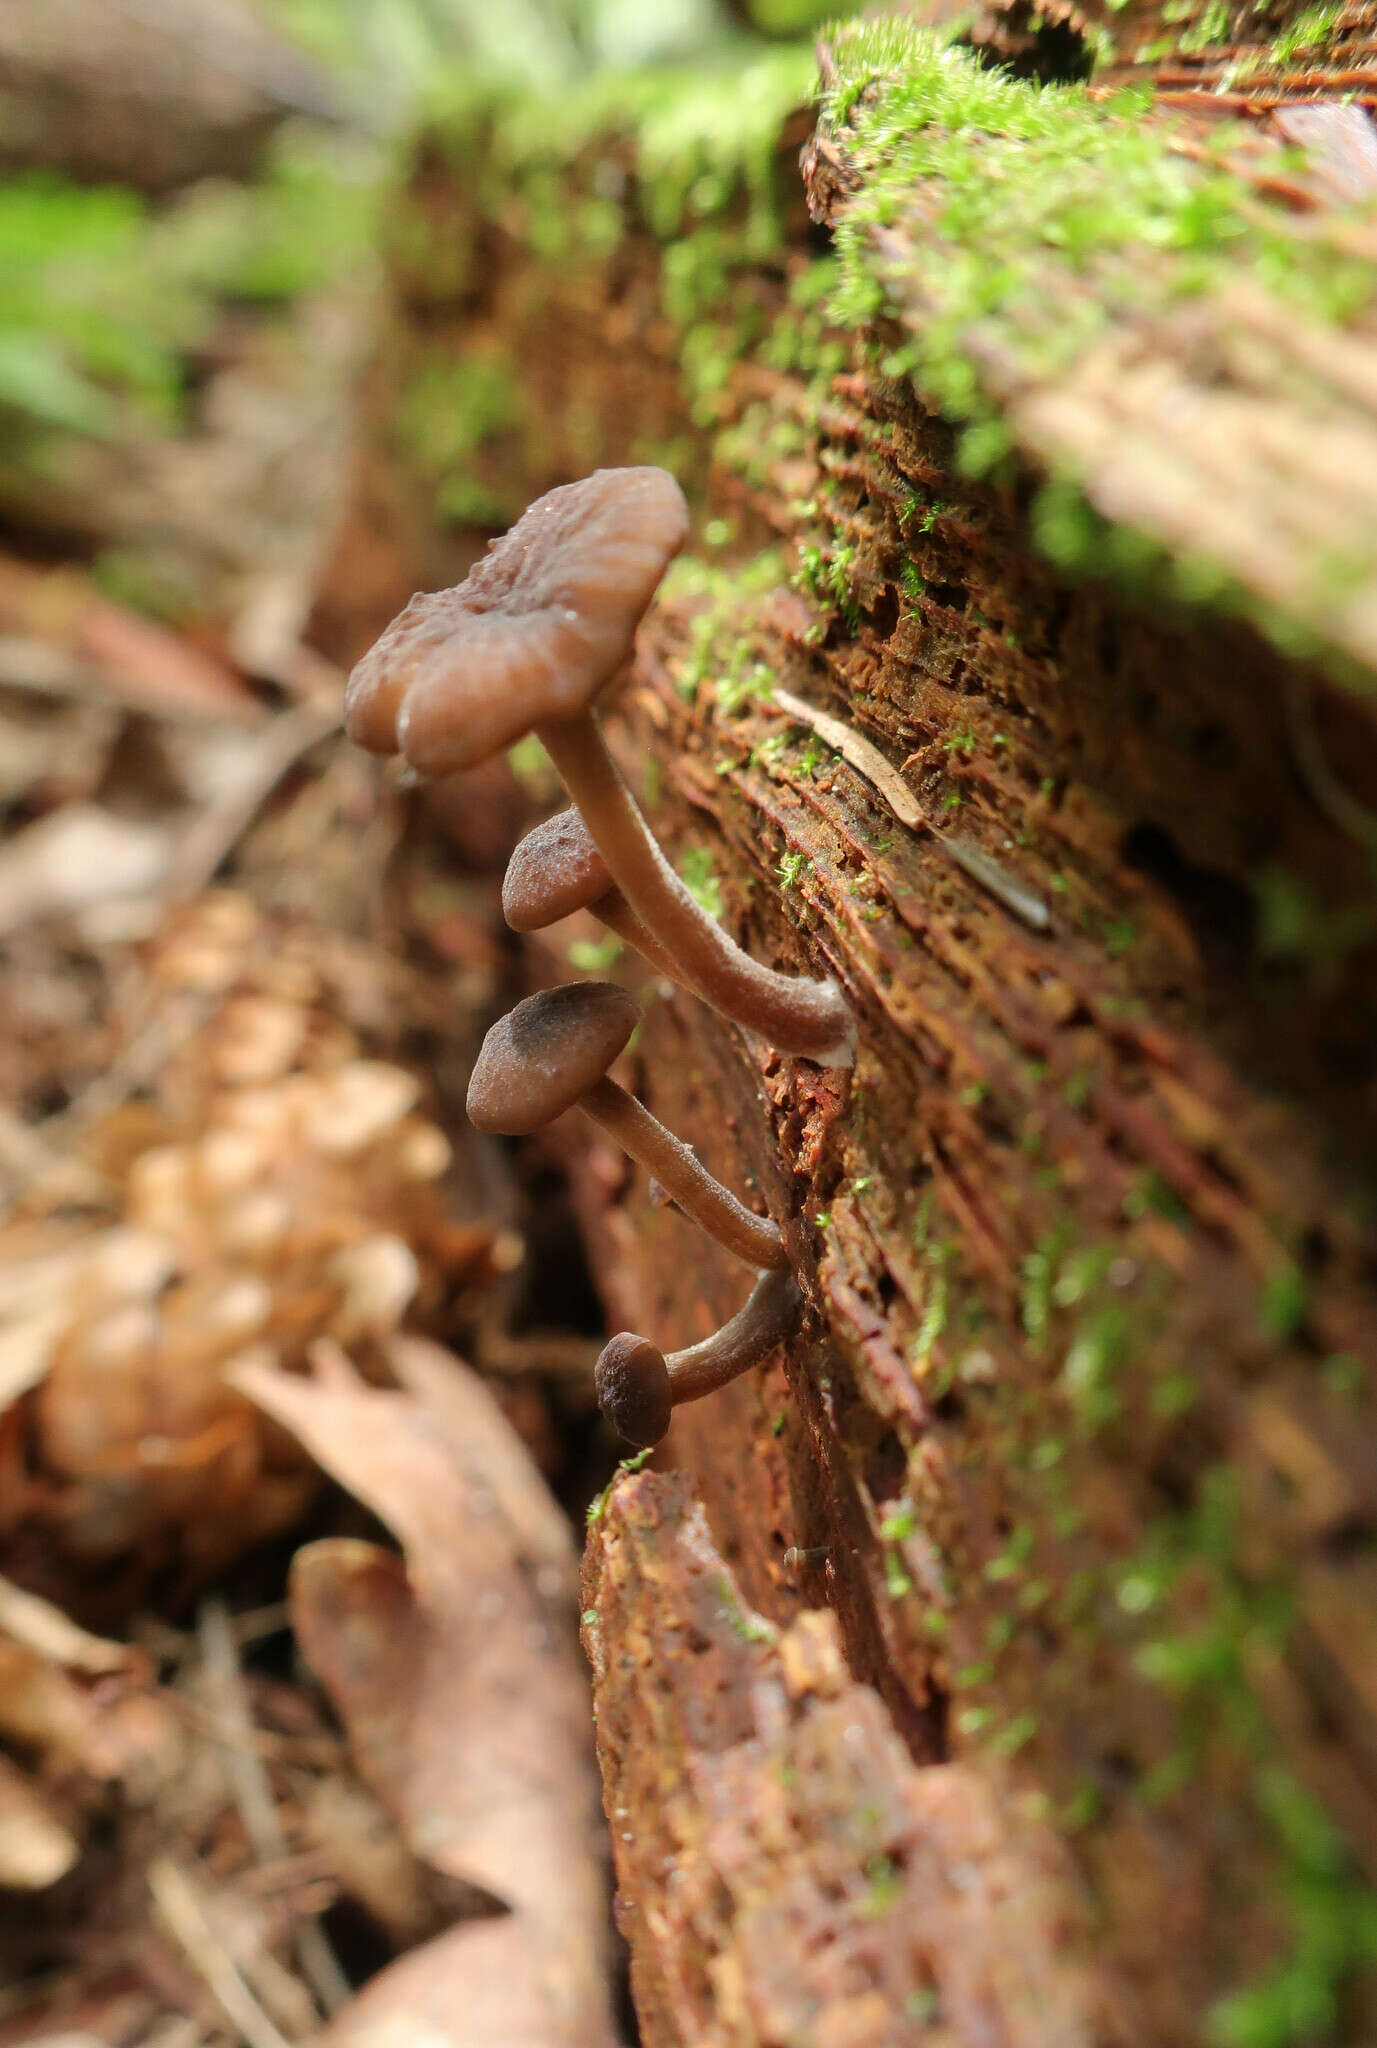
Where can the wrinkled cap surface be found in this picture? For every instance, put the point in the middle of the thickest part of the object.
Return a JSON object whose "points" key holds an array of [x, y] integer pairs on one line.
{"points": [[554, 871], [542, 1056], [631, 1380], [535, 632]]}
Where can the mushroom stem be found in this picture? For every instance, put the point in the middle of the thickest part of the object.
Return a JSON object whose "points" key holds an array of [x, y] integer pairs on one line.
{"points": [[769, 1315], [616, 913], [638, 1387], [796, 1015], [683, 1177]]}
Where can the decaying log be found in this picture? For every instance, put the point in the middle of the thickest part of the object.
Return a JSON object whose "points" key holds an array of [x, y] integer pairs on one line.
{"points": [[1078, 1445], [821, 1886]]}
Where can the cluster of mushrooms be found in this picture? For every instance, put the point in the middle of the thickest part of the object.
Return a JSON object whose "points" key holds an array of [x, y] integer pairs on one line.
{"points": [[537, 634]]}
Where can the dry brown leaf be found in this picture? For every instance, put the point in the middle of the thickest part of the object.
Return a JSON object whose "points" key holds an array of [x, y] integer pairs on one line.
{"points": [[470, 1988], [35, 1848], [46, 1631], [111, 1726], [77, 856], [131, 659], [482, 1444], [456, 1676]]}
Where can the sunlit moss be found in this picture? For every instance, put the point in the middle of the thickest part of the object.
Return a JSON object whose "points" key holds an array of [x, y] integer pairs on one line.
{"points": [[1007, 185]]}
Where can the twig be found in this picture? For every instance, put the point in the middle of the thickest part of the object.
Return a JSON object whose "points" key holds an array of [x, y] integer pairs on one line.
{"points": [[176, 1898], [1324, 786], [215, 833], [862, 754], [26, 1158], [868, 761], [991, 874], [314, 1752], [253, 1794], [46, 1630]]}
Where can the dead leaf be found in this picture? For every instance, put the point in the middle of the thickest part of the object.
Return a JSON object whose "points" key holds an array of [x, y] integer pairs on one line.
{"points": [[132, 660], [470, 1988], [45, 1630], [482, 1443], [455, 1674], [77, 856], [35, 1848]]}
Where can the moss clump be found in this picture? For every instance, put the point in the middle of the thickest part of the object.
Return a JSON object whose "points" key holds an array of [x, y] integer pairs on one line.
{"points": [[101, 295], [451, 409], [690, 156], [723, 649], [1046, 219], [1022, 176], [1333, 1920]]}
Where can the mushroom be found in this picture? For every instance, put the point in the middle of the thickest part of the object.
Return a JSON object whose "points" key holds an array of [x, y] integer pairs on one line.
{"points": [[532, 639], [551, 1053], [556, 870], [637, 1386]]}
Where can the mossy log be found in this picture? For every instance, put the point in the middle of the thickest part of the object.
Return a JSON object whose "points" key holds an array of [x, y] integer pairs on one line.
{"points": [[1054, 486]]}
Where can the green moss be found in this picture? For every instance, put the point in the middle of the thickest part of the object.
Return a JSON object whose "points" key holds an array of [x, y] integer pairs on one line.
{"points": [[1006, 184], [701, 144], [1283, 1303], [899, 1524], [596, 956], [1294, 925], [750, 1627], [699, 876], [1016, 1735], [1333, 1920], [884, 1887], [1310, 31], [449, 411], [597, 1507], [936, 1305], [898, 1584], [1039, 1272]]}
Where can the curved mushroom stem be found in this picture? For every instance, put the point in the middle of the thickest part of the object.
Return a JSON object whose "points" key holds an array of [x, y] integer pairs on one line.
{"points": [[684, 1178], [616, 913], [796, 1015], [769, 1315], [638, 1387]]}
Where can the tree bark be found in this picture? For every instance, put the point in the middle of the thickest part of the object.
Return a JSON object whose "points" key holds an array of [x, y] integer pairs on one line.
{"points": [[1001, 1661]]}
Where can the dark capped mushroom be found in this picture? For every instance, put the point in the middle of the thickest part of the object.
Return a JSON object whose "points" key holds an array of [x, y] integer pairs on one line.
{"points": [[638, 1387], [556, 870], [551, 1053], [532, 639]]}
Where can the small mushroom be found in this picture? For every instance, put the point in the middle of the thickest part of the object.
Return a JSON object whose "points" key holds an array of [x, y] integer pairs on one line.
{"points": [[551, 1053], [532, 639], [637, 1386], [556, 870]]}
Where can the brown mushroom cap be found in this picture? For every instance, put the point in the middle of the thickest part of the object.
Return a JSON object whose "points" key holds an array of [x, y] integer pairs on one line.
{"points": [[555, 870], [631, 1381], [534, 633], [542, 1056]]}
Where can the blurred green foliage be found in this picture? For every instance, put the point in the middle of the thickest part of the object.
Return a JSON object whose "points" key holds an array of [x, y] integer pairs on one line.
{"points": [[102, 295]]}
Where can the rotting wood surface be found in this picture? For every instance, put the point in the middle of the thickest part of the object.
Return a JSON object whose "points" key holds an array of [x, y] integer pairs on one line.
{"points": [[821, 1887], [1075, 1448]]}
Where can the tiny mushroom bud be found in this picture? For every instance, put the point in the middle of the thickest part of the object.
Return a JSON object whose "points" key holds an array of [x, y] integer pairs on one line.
{"points": [[551, 1053], [637, 1386], [556, 870], [532, 639]]}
